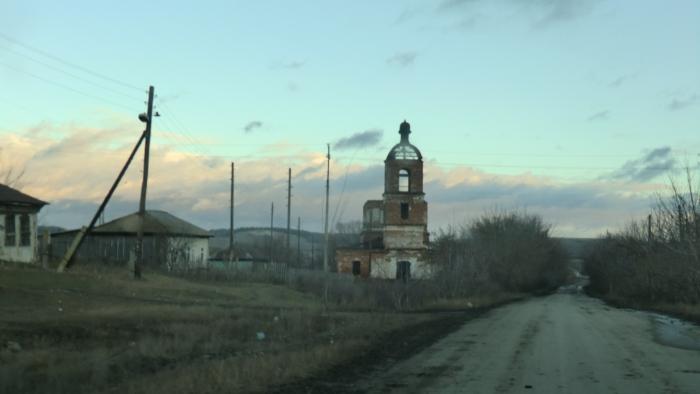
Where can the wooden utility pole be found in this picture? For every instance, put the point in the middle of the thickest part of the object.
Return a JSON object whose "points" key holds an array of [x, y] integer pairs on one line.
{"points": [[78, 240], [681, 226], [649, 236], [298, 241], [325, 227], [289, 212], [272, 217], [144, 184], [230, 238], [313, 266]]}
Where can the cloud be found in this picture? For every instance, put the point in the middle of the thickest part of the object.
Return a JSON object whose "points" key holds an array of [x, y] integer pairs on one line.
{"points": [[542, 13], [558, 11], [447, 5], [171, 97], [252, 126], [656, 162], [602, 115], [293, 65], [678, 104], [190, 186], [288, 65], [292, 87], [363, 139], [407, 14], [402, 59], [196, 187], [617, 82], [585, 209]]}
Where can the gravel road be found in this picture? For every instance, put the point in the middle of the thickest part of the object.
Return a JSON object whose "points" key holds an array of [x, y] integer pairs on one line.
{"points": [[562, 343]]}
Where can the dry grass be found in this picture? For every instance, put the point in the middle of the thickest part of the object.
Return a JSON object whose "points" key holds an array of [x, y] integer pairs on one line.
{"points": [[690, 312], [98, 330], [476, 301]]}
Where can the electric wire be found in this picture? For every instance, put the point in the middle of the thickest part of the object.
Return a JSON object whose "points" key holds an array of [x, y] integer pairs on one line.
{"points": [[181, 129], [70, 74], [92, 96], [67, 63], [193, 148]]}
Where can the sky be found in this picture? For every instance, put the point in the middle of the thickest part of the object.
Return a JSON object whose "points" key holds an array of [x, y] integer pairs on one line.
{"points": [[580, 111]]}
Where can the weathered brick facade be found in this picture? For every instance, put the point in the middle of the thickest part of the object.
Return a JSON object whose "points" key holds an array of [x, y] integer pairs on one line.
{"points": [[394, 236]]}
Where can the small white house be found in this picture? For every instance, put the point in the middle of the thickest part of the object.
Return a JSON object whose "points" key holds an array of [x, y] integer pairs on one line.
{"points": [[168, 241], [18, 225]]}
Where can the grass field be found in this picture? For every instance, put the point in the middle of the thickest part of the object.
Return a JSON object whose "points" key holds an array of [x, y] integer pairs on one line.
{"points": [[689, 312], [101, 331]]}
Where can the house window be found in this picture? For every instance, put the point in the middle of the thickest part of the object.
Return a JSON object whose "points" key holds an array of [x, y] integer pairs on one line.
{"points": [[403, 271], [404, 181], [356, 267], [404, 210], [10, 230], [25, 233]]}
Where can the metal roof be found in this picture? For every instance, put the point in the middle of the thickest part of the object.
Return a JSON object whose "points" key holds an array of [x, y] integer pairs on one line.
{"points": [[12, 196], [155, 222], [404, 150]]}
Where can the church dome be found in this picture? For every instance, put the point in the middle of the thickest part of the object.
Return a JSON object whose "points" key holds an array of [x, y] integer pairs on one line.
{"points": [[404, 150]]}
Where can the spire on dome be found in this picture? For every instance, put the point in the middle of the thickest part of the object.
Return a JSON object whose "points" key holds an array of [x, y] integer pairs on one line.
{"points": [[404, 130]]}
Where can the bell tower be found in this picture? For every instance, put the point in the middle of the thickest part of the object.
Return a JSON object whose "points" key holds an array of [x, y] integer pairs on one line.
{"points": [[405, 209]]}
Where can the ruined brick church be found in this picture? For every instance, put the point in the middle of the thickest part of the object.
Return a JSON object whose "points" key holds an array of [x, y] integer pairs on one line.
{"points": [[395, 229]]}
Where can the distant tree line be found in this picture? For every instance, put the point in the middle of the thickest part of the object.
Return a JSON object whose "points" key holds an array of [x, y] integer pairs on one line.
{"points": [[655, 260], [509, 251]]}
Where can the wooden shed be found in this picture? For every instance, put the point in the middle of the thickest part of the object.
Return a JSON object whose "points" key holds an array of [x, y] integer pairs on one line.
{"points": [[168, 242]]}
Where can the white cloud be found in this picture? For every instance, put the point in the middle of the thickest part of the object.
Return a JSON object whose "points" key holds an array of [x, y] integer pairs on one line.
{"points": [[73, 167]]}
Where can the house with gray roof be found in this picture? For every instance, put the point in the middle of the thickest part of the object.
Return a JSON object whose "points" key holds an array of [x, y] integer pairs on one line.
{"points": [[18, 225], [168, 242]]}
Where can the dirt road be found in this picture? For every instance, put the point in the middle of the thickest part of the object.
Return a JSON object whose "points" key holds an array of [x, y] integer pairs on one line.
{"points": [[563, 343]]}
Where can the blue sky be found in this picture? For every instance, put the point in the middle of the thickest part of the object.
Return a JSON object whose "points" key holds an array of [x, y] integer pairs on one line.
{"points": [[577, 110]]}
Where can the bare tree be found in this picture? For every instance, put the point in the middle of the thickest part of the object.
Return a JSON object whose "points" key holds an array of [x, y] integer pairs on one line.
{"points": [[657, 260], [350, 227], [10, 176]]}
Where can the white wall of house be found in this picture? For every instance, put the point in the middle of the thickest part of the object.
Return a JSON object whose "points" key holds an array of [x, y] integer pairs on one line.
{"points": [[191, 251], [16, 251]]}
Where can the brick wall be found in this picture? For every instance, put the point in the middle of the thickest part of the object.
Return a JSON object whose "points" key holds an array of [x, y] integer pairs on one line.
{"points": [[417, 210], [391, 175], [345, 257]]}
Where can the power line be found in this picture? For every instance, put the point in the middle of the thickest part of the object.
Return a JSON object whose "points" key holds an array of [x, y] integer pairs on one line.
{"points": [[92, 96], [70, 74], [174, 137], [192, 148], [183, 130], [67, 63], [552, 167]]}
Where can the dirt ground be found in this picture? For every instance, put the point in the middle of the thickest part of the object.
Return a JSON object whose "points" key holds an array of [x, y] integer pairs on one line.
{"points": [[562, 343]]}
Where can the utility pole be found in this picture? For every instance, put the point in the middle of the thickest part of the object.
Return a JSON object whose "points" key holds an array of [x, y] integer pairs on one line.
{"points": [[313, 266], [78, 240], [144, 184], [230, 238], [681, 224], [272, 216], [325, 227], [298, 241], [649, 236], [289, 212]]}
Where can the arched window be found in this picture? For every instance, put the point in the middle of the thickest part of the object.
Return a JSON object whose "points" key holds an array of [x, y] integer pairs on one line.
{"points": [[404, 180]]}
